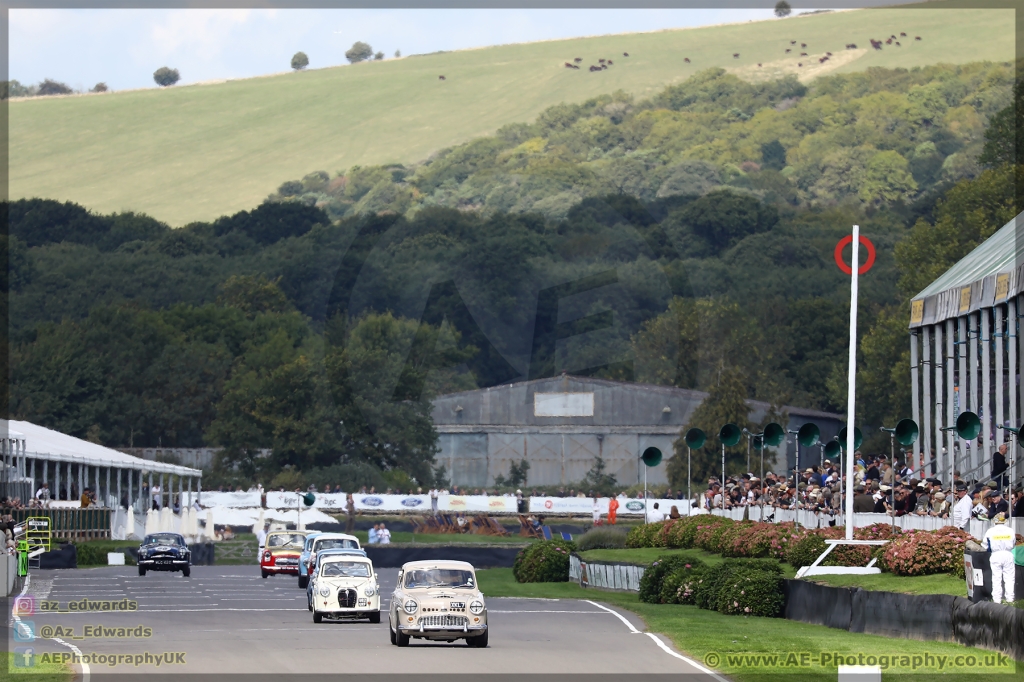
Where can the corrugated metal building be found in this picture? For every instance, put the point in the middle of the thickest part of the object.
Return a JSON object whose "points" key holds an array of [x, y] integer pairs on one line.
{"points": [[560, 425], [965, 344]]}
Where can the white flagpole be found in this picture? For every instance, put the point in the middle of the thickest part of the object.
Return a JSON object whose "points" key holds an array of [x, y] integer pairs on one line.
{"points": [[852, 389]]}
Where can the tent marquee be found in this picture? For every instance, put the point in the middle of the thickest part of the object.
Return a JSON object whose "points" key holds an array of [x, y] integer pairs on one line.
{"points": [[46, 444]]}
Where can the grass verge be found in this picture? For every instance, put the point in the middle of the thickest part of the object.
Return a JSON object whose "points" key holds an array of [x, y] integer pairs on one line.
{"points": [[750, 649], [39, 671]]}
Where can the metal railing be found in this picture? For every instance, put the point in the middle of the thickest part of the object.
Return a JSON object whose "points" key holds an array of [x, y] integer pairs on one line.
{"points": [[67, 524]]}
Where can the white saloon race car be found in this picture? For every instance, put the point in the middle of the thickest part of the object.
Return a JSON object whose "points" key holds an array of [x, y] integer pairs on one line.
{"points": [[345, 586], [438, 600]]}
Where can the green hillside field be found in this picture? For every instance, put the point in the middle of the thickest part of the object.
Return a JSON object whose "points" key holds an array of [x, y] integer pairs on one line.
{"points": [[191, 153]]}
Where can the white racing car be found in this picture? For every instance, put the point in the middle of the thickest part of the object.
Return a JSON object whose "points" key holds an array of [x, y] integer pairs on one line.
{"points": [[344, 586], [437, 600]]}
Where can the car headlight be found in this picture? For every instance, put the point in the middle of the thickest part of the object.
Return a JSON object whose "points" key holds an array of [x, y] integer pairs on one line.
{"points": [[369, 590], [325, 591], [266, 556], [143, 553], [411, 606], [476, 607]]}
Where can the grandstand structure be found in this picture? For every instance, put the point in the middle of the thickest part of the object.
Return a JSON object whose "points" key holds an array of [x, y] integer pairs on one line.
{"points": [[965, 352], [33, 455]]}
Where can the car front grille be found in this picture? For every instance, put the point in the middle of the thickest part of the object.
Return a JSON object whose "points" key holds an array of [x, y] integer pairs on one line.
{"points": [[284, 561], [347, 599], [447, 621]]}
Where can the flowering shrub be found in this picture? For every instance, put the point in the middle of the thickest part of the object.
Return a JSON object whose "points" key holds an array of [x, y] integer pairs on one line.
{"points": [[678, 586], [762, 540], [751, 587], [643, 535], [751, 591], [729, 535], [708, 534], [652, 581], [660, 539], [922, 552], [543, 562], [803, 551]]}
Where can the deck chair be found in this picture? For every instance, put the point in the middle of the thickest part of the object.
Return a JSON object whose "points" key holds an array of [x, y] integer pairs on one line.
{"points": [[495, 527], [567, 537], [546, 531], [524, 527]]}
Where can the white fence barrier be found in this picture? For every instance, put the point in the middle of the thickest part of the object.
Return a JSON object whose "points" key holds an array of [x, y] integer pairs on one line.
{"points": [[605, 575]]}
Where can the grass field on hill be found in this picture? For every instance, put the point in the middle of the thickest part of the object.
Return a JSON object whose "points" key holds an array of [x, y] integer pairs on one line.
{"points": [[196, 152]]}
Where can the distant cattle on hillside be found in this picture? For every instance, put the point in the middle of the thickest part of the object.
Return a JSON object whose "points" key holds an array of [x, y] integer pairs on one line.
{"points": [[625, 54], [440, 78], [686, 59], [735, 55], [578, 59]]}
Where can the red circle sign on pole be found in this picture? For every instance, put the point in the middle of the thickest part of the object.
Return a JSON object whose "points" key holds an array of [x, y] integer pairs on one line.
{"points": [[848, 269]]}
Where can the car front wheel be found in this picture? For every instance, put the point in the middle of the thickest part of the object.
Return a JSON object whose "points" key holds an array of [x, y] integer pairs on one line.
{"points": [[318, 617], [142, 571], [265, 574], [480, 641], [303, 582], [375, 617], [186, 572]]}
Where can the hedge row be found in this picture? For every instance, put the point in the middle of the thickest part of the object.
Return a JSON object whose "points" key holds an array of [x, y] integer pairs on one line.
{"points": [[906, 553], [749, 587], [94, 553], [543, 562]]}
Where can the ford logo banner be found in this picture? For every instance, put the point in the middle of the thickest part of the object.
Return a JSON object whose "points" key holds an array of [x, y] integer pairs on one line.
{"points": [[372, 501], [411, 502], [633, 505]]}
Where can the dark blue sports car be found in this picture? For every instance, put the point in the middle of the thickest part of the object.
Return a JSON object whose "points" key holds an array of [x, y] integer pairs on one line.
{"points": [[164, 552]]}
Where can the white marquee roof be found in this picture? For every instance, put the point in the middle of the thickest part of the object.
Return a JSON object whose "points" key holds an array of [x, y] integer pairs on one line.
{"points": [[46, 444]]}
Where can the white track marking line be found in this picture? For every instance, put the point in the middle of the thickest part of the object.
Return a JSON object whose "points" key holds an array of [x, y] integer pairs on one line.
{"points": [[86, 672], [678, 655], [616, 614], [664, 647]]}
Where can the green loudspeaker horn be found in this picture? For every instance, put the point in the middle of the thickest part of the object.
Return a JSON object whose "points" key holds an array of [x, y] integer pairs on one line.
{"points": [[651, 457], [832, 449], [774, 435], [308, 499], [808, 435], [858, 437], [968, 426], [906, 431], [695, 438], [730, 435], [758, 441]]}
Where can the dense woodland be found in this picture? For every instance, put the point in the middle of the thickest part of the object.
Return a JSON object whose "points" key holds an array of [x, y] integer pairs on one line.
{"points": [[321, 323]]}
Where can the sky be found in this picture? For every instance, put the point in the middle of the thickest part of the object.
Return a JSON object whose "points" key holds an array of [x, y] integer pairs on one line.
{"points": [[123, 47]]}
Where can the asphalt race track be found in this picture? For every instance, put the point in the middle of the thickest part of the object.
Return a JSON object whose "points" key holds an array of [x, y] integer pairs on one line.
{"points": [[226, 619]]}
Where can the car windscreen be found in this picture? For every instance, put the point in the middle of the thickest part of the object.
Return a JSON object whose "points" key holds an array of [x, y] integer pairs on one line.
{"points": [[335, 543], [163, 539], [283, 539], [439, 577], [345, 569]]}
